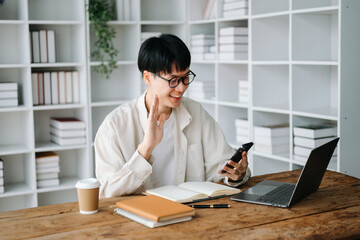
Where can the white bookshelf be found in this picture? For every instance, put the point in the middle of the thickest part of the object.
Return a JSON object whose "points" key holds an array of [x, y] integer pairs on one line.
{"points": [[300, 69]]}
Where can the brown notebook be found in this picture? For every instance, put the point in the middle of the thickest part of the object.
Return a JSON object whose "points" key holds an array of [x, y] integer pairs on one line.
{"points": [[155, 208]]}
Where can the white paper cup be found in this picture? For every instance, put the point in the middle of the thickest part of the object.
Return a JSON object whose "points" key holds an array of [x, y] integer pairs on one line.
{"points": [[88, 195]]}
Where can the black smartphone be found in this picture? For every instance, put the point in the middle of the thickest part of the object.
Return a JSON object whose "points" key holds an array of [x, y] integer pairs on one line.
{"points": [[238, 155]]}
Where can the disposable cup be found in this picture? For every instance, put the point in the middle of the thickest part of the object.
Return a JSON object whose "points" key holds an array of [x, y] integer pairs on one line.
{"points": [[88, 195]]}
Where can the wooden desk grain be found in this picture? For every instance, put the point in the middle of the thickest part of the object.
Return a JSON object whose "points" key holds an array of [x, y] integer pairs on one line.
{"points": [[332, 212]]}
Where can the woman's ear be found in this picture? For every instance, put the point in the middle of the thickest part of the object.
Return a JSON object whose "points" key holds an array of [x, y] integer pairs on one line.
{"points": [[147, 77]]}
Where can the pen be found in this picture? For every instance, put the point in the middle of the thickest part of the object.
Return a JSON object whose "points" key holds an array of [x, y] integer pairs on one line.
{"points": [[211, 206]]}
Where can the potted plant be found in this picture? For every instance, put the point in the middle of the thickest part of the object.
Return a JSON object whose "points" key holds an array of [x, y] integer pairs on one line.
{"points": [[103, 50]]}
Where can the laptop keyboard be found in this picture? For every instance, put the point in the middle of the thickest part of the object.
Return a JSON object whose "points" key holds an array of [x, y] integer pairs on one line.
{"points": [[280, 195]]}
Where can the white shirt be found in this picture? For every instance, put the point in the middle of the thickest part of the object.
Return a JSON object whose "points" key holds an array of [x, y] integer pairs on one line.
{"points": [[163, 168]]}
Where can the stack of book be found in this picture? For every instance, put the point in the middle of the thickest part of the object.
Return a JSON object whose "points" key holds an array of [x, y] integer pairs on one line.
{"points": [[67, 131], [242, 130], [43, 46], [153, 211], [272, 139], [8, 94], [308, 137], [47, 169], [244, 91], [2, 190], [62, 87], [235, 8], [233, 43], [146, 35], [202, 90], [203, 47]]}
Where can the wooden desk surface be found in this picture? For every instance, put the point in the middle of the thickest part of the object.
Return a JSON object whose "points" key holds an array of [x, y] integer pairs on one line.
{"points": [[332, 212]]}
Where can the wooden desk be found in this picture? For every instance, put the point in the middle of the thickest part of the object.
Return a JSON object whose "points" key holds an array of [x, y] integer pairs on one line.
{"points": [[333, 212]]}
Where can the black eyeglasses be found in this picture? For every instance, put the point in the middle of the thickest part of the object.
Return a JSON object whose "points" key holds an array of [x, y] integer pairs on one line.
{"points": [[175, 81]]}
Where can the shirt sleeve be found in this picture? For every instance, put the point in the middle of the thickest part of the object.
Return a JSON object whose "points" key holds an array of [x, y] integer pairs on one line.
{"points": [[236, 184], [117, 175]]}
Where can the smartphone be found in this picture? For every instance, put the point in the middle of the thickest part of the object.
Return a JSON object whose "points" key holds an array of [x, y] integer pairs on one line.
{"points": [[238, 155]]}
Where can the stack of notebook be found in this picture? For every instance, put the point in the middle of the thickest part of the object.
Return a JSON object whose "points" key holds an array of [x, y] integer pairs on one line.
{"points": [[153, 211], [47, 169]]}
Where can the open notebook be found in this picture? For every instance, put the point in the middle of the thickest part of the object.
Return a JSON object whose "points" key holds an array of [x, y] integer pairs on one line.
{"points": [[193, 191]]}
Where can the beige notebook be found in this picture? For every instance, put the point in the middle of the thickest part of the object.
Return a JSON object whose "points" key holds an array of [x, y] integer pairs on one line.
{"points": [[155, 208], [193, 191]]}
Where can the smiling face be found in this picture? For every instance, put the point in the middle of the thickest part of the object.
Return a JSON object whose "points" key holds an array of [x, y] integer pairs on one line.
{"points": [[169, 98]]}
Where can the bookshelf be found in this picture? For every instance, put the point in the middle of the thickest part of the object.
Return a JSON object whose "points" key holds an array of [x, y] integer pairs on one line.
{"points": [[296, 72]]}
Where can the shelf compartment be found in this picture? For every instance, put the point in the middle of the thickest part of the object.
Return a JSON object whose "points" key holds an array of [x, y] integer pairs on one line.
{"points": [[271, 86], [42, 124], [228, 87], [263, 165], [19, 174], [124, 41], [64, 10], [124, 84], [13, 50], [98, 115], [163, 10], [74, 165], [196, 9], [205, 73], [270, 39], [315, 89], [57, 197], [315, 36], [227, 116], [19, 76], [308, 4], [17, 202], [16, 130], [13, 10], [268, 6], [69, 42]]}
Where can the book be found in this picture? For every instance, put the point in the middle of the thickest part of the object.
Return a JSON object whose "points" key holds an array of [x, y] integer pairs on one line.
{"points": [[51, 46], [46, 157], [233, 48], [34, 87], [67, 133], [47, 170], [76, 86], [40, 84], [119, 5], [233, 39], [272, 149], [68, 87], [127, 10], [315, 130], [48, 183], [1, 181], [278, 140], [43, 46], [66, 123], [1, 164], [67, 141], [147, 222], [235, 12], [62, 87], [49, 175], [47, 165], [9, 102], [233, 31], [35, 42], [311, 142], [2, 189], [54, 88], [1, 172], [47, 88], [209, 9], [8, 94], [155, 208], [192, 191], [272, 130], [8, 86], [235, 5]]}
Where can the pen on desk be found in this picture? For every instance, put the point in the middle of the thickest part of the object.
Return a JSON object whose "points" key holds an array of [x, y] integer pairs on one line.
{"points": [[211, 206]]}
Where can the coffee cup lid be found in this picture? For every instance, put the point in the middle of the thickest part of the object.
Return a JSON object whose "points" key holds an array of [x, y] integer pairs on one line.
{"points": [[88, 183]]}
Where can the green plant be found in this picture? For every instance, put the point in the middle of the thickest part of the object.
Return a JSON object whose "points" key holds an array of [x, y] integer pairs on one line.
{"points": [[103, 48]]}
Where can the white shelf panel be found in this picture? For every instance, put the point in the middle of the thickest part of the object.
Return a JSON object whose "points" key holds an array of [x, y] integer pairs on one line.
{"points": [[330, 63], [56, 65], [16, 189], [58, 107], [232, 104], [13, 65], [49, 146], [14, 149], [14, 109], [320, 10], [329, 114], [12, 22], [53, 22], [271, 15], [203, 21], [167, 23], [118, 63], [65, 184], [244, 17]]}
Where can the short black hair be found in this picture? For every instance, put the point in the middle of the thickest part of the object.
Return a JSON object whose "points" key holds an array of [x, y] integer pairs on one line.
{"points": [[158, 54]]}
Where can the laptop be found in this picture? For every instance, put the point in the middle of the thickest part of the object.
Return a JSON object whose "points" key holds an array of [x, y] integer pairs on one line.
{"points": [[280, 194]]}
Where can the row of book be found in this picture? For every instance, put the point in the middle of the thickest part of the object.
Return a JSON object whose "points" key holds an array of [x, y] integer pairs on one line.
{"points": [[243, 86], [235, 8], [272, 139], [8, 94], [43, 48], [47, 169], [209, 9], [67, 131], [123, 10], [60, 87], [202, 47], [2, 189], [202, 90], [233, 43]]}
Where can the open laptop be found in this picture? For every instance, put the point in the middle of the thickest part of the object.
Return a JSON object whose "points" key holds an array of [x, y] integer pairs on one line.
{"points": [[280, 194]]}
